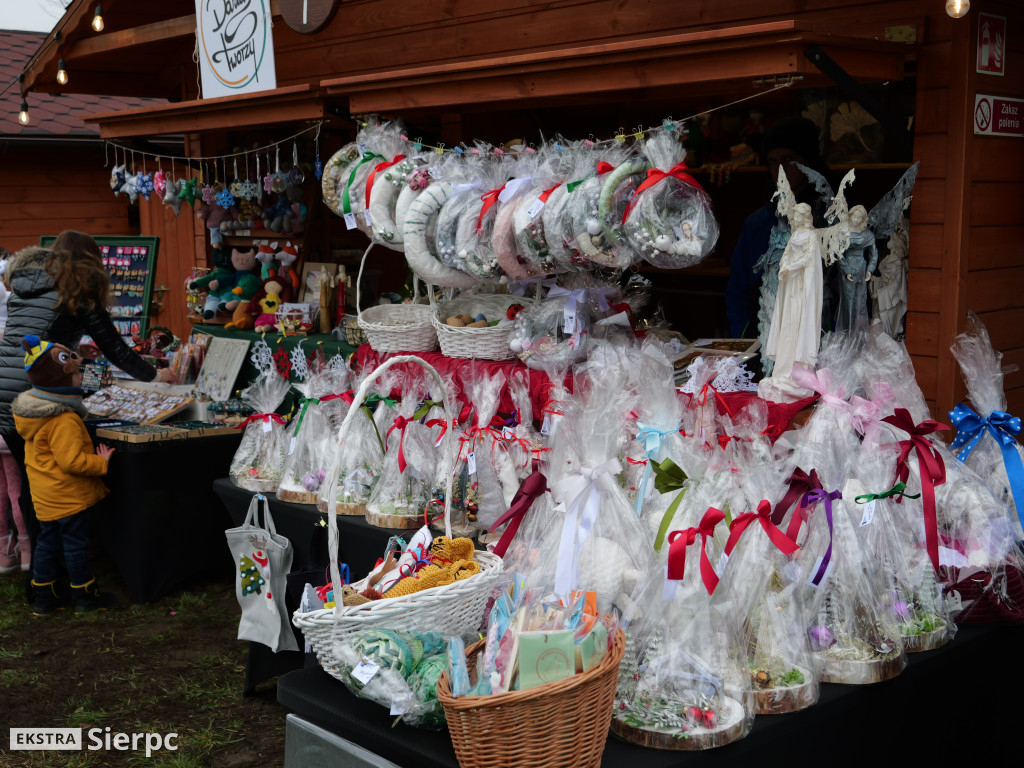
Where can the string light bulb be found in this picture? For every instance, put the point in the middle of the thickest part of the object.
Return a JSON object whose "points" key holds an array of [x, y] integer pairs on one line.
{"points": [[957, 8], [23, 115], [62, 72], [97, 18]]}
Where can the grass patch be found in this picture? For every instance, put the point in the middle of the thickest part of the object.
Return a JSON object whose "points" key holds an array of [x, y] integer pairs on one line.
{"points": [[85, 714], [11, 654]]}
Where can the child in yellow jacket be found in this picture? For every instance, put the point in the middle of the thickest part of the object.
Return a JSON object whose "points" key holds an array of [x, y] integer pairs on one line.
{"points": [[63, 473]]}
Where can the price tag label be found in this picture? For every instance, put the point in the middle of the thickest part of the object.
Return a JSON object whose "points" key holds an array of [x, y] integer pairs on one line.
{"points": [[366, 217], [569, 321], [668, 591], [537, 207], [471, 463], [720, 568], [365, 670], [869, 513], [350, 221], [291, 447], [266, 425], [507, 433], [545, 427]]}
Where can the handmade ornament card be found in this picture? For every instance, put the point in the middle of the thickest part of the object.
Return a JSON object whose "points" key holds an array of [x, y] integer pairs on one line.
{"points": [[221, 366]]}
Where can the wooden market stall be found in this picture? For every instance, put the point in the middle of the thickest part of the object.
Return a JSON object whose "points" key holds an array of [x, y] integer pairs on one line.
{"points": [[468, 70]]}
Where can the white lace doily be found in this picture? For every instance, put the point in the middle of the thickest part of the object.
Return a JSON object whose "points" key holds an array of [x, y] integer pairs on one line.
{"points": [[300, 366], [731, 375], [262, 357]]}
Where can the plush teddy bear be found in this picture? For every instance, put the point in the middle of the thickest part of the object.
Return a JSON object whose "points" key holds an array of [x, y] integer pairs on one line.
{"points": [[218, 220]]}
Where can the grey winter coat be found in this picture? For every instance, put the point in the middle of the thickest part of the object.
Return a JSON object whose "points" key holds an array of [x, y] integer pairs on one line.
{"points": [[32, 308]]}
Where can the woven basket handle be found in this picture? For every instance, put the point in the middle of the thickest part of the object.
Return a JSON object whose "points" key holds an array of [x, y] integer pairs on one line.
{"points": [[359, 281], [358, 400]]}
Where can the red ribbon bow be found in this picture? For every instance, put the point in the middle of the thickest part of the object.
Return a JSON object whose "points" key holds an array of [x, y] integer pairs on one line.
{"points": [[603, 168], [680, 540], [763, 515], [401, 423], [533, 487], [799, 484], [347, 396], [933, 470], [489, 198], [261, 417], [654, 175], [373, 175], [543, 196]]}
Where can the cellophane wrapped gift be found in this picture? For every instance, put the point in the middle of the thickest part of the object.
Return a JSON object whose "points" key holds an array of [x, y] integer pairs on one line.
{"points": [[259, 460], [589, 220], [310, 441], [485, 475], [669, 221], [465, 222], [913, 594], [684, 682], [852, 630], [977, 550], [593, 541], [706, 423], [503, 240], [398, 670], [410, 474], [986, 440], [760, 581], [528, 221], [378, 143], [553, 334], [577, 164], [526, 442]]}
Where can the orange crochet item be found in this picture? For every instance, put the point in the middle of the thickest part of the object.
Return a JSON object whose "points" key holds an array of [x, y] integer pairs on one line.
{"points": [[451, 550], [463, 569], [429, 576]]}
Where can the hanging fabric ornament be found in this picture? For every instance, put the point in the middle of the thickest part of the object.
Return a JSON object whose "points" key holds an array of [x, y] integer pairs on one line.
{"points": [[159, 180], [250, 189], [318, 166], [225, 199], [268, 180], [236, 185], [172, 194], [189, 190], [296, 175], [131, 188], [209, 194], [144, 184], [116, 176], [280, 181]]}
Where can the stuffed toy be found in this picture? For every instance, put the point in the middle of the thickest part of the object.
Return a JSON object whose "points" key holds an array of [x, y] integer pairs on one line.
{"points": [[273, 214], [218, 220], [244, 282], [297, 213], [287, 257], [268, 305], [248, 213], [265, 253], [159, 183], [131, 187], [222, 270], [117, 179]]}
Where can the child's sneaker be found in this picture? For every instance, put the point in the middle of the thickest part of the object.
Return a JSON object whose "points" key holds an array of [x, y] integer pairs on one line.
{"points": [[46, 598], [26, 554], [88, 598], [8, 553], [9, 564]]}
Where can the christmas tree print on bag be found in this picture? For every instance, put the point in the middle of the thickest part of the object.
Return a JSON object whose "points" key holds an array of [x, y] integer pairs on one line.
{"points": [[262, 558]]}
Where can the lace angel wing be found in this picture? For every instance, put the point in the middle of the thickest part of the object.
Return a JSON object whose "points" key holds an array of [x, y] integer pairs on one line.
{"points": [[820, 183], [784, 197], [835, 238], [884, 218]]}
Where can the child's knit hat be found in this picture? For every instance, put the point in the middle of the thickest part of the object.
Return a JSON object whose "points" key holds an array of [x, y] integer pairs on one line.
{"points": [[49, 365]]}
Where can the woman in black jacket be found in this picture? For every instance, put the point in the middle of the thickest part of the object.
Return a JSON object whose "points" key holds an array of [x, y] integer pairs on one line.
{"points": [[58, 294]]}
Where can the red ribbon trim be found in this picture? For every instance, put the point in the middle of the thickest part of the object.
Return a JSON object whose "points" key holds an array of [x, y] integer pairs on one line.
{"points": [[373, 174], [261, 417], [603, 168], [489, 198], [799, 484], [680, 540], [401, 423], [533, 487], [654, 175], [933, 470], [543, 196], [763, 515]]}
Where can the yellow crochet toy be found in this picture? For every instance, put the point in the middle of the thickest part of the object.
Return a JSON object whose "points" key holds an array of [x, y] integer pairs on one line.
{"points": [[452, 561]]}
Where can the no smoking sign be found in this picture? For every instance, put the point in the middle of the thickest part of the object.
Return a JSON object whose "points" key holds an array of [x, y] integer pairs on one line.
{"points": [[998, 116], [982, 115]]}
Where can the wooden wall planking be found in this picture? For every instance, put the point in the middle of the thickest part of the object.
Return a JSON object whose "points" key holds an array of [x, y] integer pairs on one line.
{"points": [[997, 247]]}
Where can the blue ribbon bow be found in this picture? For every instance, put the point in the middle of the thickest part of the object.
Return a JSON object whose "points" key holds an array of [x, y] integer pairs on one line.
{"points": [[650, 438], [1004, 428]]}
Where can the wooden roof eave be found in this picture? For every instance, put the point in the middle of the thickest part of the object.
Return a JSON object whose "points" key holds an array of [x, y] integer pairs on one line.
{"points": [[769, 50], [291, 104]]}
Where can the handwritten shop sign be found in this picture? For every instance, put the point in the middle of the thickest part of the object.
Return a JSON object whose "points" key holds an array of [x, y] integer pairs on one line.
{"points": [[998, 116], [236, 47]]}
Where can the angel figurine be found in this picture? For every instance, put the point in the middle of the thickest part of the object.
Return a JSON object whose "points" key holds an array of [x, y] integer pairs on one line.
{"points": [[856, 265], [887, 222], [768, 266]]}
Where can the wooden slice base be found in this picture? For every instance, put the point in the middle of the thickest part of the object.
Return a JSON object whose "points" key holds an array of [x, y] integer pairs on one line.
{"points": [[296, 495], [396, 522], [778, 701], [256, 486], [861, 672], [345, 508], [730, 728], [926, 641]]}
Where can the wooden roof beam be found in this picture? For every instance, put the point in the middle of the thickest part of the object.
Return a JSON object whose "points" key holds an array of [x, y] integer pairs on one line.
{"points": [[122, 39]]}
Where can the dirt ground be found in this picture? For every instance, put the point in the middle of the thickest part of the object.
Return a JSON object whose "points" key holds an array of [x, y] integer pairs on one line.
{"points": [[169, 667]]}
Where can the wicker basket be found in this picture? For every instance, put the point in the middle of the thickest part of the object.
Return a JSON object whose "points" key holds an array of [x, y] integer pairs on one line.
{"points": [[395, 327], [475, 343], [557, 725], [353, 333], [453, 609]]}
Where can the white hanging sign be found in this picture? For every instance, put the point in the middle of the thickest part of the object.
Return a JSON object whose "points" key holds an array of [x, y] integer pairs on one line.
{"points": [[236, 47]]}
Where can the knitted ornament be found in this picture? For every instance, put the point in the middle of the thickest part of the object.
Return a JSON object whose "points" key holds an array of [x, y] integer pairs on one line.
{"points": [[384, 648], [429, 576], [451, 550], [423, 681], [349, 596], [463, 569]]}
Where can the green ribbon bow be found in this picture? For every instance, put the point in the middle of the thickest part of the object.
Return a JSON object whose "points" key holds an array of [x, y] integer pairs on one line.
{"points": [[425, 409], [896, 490], [346, 204], [668, 476], [306, 401]]}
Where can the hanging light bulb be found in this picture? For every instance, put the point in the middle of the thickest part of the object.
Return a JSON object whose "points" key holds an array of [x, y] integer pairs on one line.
{"points": [[957, 8], [62, 72], [23, 115], [97, 18]]}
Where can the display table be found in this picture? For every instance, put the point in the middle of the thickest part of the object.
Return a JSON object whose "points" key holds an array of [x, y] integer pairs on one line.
{"points": [[951, 702], [162, 523]]}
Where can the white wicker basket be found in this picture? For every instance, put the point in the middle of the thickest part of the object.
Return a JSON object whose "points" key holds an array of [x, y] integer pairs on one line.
{"points": [[395, 327], [475, 343], [453, 609]]}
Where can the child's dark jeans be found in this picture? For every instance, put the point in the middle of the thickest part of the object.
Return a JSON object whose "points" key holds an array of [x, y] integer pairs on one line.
{"points": [[70, 535]]}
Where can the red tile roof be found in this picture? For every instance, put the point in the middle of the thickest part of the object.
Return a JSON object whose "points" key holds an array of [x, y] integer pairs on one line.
{"points": [[51, 116]]}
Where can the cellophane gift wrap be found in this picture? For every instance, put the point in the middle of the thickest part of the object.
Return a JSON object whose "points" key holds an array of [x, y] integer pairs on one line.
{"points": [[310, 441], [259, 460]]}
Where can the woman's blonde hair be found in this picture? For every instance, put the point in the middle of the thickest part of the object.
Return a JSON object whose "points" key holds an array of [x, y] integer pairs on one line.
{"points": [[78, 272]]}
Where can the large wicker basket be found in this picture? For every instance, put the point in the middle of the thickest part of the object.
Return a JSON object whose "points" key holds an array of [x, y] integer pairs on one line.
{"points": [[395, 327], [554, 725], [489, 343], [453, 609]]}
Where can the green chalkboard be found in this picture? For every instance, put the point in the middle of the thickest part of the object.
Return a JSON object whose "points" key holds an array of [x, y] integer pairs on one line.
{"points": [[131, 266]]}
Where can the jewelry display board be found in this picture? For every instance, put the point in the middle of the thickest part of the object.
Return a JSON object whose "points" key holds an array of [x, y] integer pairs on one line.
{"points": [[131, 266]]}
